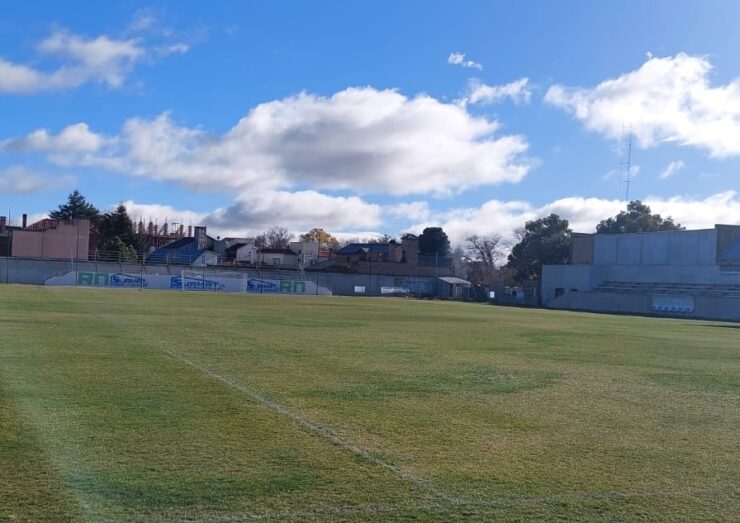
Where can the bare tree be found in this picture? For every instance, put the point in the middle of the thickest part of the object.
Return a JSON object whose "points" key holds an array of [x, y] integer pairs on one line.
{"points": [[488, 249], [274, 238], [380, 239]]}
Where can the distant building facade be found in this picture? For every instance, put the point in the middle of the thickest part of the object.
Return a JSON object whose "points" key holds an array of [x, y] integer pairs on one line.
{"points": [[51, 239]]}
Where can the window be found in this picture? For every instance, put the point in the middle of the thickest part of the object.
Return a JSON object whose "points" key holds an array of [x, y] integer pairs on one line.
{"points": [[559, 291], [276, 261]]}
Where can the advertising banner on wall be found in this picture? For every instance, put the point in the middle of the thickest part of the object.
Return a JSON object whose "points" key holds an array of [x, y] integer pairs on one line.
{"points": [[186, 281]]}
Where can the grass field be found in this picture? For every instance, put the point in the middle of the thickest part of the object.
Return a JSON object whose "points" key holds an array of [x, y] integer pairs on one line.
{"points": [[149, 406]]}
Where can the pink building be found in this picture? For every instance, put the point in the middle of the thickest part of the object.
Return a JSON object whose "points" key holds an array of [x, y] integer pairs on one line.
{"points": [[61, 239]]}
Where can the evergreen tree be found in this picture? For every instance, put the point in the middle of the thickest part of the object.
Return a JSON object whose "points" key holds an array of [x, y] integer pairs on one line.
{"points": [[544, 242], [116, 230], [76, 206], [637, 218], [433, 241]]}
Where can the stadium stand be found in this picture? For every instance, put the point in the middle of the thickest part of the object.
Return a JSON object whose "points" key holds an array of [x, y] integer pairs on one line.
{"points": [[686, 273]]}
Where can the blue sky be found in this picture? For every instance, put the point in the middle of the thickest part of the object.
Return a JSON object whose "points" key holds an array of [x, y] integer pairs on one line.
{"points": [[195, 113]]}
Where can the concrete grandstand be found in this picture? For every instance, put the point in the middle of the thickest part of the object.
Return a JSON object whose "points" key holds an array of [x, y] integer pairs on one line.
{"points": [[676, 273]]}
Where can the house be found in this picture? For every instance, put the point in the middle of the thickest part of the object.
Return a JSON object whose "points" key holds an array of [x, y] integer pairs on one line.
{"points": [[5, 234], [283, 258], [49, 239], [307, 252], [196, 250], [222, 246], [243, 252], [391, 258]]}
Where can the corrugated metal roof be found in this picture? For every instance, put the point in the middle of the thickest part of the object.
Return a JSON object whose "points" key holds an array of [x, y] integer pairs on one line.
{"points": [[455, 281]]}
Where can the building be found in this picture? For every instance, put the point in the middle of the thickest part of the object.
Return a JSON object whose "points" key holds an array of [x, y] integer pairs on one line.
{"points": [[454, 288], [307, 253], [393, 258], [49, 239], [196, 250], [688, 273], [224, 247], [283, 258]]}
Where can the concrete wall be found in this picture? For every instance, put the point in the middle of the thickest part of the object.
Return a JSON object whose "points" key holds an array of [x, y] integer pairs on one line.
{"points": [[566, 277], [582, 249], [17, 270], [586, 277], [671, 248], [705, 307], [728, 245]]}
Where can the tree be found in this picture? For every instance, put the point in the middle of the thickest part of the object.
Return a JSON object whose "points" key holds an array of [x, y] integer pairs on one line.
{"points": [[434, 242], [381, 239], [637, 218], [545, 242], [116, 230], [274, 238], [320, 236], [76, 206], [488, 249]]}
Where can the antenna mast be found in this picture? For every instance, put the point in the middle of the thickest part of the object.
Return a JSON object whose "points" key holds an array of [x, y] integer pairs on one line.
{"points": [[626, 160]]}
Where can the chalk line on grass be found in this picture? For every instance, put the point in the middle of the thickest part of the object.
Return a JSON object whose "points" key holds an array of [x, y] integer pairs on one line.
{"points": [[318, 429], [449, 502]]}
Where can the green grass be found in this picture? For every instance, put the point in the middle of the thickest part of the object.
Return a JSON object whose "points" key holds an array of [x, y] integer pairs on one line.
{"points": [[164, 406]]}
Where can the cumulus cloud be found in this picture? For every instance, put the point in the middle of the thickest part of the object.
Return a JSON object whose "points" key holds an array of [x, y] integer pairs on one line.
{"points": [[504, 218], [82, 60], [254, 212], [353, 218], [159, 213], [459, 59], [360, 139], [412, 211], [301, 210], [518, 91], [73, 138], [21, 180], [665, 100], [671, 169]]}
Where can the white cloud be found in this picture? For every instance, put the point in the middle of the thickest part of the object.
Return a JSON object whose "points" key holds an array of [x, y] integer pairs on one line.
{"points": [[300, 210], [73, 138], [179, 48], [360, 139], [143, 20], [21, 180], [352, 218], [82, 60], [503, 218], [665, 100], [459, 59], [671, 169], [15, 78], [413, 211], [518, 91], [253, 213], [160, 214]]}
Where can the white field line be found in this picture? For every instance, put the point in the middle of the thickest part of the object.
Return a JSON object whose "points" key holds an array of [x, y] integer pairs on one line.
{"points": [[317, 429], [448, 502]]}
